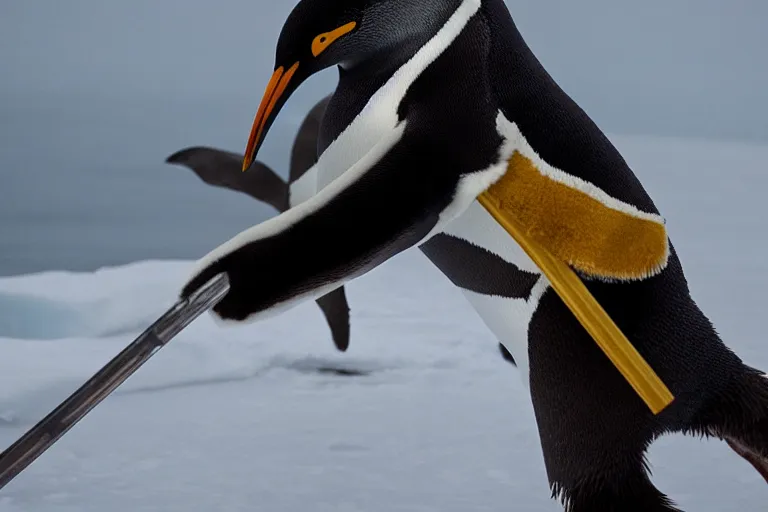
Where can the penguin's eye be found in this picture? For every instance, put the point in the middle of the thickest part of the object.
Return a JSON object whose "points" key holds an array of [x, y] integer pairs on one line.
{"points": [[325, 39]]}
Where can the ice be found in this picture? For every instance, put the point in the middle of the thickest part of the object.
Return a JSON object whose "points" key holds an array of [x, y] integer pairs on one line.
{"points": [[55, 305], [425, 416]]}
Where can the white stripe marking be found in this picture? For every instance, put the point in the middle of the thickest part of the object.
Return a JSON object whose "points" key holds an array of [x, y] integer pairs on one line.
{"points": [[509, 320], [303, 188], [479, 228]]}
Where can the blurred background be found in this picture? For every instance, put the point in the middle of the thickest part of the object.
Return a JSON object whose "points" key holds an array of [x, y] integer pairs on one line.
{"points": [[95, 94]]}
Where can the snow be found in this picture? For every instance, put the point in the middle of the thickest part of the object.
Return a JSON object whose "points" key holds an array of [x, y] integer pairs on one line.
{"points": [[253, 418]]}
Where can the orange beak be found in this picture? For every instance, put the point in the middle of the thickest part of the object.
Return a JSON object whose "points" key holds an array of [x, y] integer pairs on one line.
{"points": [[275, 89]]}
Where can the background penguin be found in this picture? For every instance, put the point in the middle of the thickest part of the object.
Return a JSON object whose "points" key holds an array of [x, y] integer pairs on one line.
{"points": [[438, 102], [221, 168]]}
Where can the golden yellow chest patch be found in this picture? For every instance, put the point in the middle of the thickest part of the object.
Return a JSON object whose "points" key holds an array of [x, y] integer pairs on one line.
{"points": [[599, 239]]}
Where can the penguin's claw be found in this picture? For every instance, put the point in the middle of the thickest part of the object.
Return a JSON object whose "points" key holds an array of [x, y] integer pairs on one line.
{"points": [[758, 462]]}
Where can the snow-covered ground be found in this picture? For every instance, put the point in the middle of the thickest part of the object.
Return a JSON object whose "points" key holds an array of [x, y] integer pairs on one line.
{"points": [[253, 418]]}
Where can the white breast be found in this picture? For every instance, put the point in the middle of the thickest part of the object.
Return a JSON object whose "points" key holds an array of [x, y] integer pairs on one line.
{"points": [[507, 318]]}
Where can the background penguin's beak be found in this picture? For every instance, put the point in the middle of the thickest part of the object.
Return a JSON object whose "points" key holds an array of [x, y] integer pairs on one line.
{"points": [[274, 98]]}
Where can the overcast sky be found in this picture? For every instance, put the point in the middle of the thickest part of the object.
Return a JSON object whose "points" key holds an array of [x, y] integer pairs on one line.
{"points": [[688, 67]]}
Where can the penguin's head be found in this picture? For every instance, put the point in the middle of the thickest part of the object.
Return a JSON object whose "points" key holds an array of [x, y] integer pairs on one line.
{"points": [[319, 34]]}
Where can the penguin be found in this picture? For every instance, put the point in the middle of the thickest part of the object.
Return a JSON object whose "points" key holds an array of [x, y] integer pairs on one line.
{"points": [[221, 168], [440, 103]]}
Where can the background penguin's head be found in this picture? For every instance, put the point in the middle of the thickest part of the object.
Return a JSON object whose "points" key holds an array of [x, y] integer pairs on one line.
{"points": [[319, 34]]}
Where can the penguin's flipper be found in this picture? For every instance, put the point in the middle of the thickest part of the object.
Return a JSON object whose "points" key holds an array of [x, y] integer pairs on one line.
{"points": [[579, 224], [336, 310], [371, 212], [223, 169]]}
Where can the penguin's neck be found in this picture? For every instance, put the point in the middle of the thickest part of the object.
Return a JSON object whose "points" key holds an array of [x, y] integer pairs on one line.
{"points": [[412, 26], [355, 89], [365, 104]]}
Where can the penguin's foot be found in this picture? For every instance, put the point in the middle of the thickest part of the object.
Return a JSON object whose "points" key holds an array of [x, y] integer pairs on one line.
{"points": [[758, 462], [634, 494], [740, 418]]}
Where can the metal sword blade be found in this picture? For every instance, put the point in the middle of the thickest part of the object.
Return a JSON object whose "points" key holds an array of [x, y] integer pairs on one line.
{"points": [[39, 438]]}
